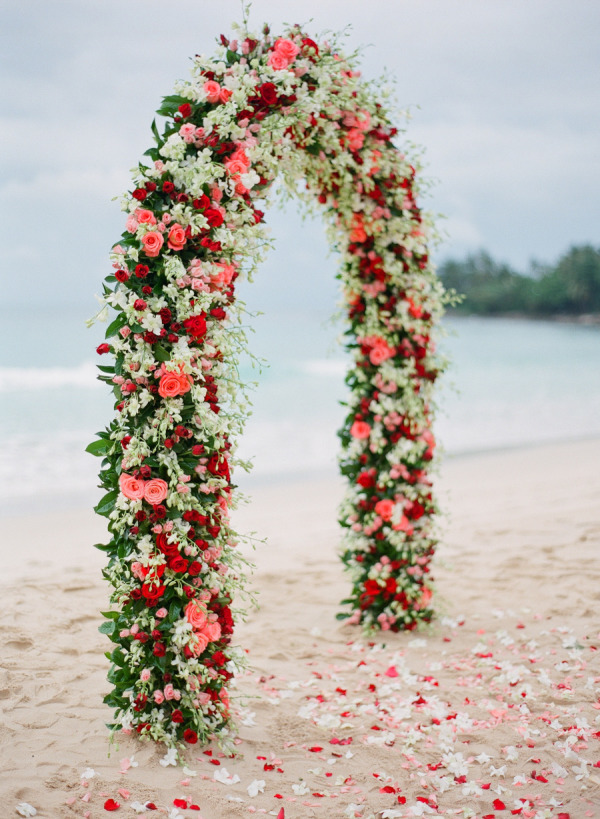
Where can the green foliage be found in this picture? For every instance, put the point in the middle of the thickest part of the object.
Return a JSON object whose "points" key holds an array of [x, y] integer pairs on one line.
{"points": [[569, 287]]}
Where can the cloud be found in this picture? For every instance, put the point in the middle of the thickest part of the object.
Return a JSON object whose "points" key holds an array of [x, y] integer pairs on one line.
{"points": [[508, 112]]}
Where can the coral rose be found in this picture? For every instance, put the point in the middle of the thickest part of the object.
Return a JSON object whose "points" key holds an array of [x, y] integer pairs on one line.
{"points": [[195, 613], [198, 643], [173, 384], [212, 631], [177, 237], [212, 90], [131, 487], [155, 491], [152, 241], [286, 48], [360, 430], [169, 385], [277, 61], [145, 216], [385, 508]]}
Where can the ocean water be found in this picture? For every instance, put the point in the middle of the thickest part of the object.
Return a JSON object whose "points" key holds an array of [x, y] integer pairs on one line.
{"points": [[511, 382]]}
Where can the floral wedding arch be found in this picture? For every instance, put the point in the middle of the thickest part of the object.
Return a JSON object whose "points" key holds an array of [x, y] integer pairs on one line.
{"points": [[261, 108]]}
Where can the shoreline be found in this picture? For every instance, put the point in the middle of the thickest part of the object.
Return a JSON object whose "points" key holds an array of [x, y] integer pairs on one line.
{"points": [[584, 319]]}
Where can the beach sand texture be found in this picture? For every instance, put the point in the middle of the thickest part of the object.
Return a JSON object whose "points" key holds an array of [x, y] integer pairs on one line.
{"points": [[495, 709]]}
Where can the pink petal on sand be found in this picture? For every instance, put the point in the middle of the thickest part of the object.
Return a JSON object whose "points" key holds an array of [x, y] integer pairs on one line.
{"points": [[391, 672]]}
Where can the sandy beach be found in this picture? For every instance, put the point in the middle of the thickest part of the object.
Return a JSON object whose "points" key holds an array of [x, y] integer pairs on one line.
{"points": [[492, 712]]}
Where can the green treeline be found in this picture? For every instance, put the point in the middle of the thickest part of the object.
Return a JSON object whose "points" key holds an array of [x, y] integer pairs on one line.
{"points": [[571, 287]]}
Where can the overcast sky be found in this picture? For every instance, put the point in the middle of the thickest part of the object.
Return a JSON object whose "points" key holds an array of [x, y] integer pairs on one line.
{"points": [[505, 96]]}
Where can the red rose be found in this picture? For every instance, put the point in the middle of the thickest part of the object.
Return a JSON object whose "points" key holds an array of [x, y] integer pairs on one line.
{"points": [[168, 187], [190, 736], [268, 93], [121, 275], [103, 348], [139, 304], [308, 43], [177, 716], [150, 186], [140, 194], [197, 450], [141, 271], [366, 480], [196, 326], [214, 217], [202, 203], [194, 568], [218, 313], [185, 110], [159, 650], [177, 563]]}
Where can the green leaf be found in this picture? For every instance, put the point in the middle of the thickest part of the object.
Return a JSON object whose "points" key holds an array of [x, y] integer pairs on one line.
{"points": [[155, 132], [98, 447], [107, 504], [107, 628], [342, 616], [117, 657], [111, 615], [104, 547], [114, 327], [160, 353]]}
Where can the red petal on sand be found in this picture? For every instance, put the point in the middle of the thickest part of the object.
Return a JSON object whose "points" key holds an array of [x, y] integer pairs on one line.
{"points": [[387, 789], [110, 804], [194, 807], [315, 749], [499, 804], [281, 814], [180, 803]]}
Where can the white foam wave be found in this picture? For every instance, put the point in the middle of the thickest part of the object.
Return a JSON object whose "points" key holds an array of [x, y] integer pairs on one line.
{"points": [[18, 379]]}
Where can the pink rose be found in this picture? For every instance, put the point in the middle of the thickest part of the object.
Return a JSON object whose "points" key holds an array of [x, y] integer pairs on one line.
{"points": [[131, 487], [145, 216], [188, 132], [145, 675], [225, 94], [195, 613], [360, 430], [155, 491], [287, 48], [169, 692], [152, 241], [159, 697], [177, 237], [212, 90], [277, 61], [385, 509], [131, 225]]}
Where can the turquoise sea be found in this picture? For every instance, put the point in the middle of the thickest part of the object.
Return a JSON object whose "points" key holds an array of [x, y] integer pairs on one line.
{"points": [[511, 382]]}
